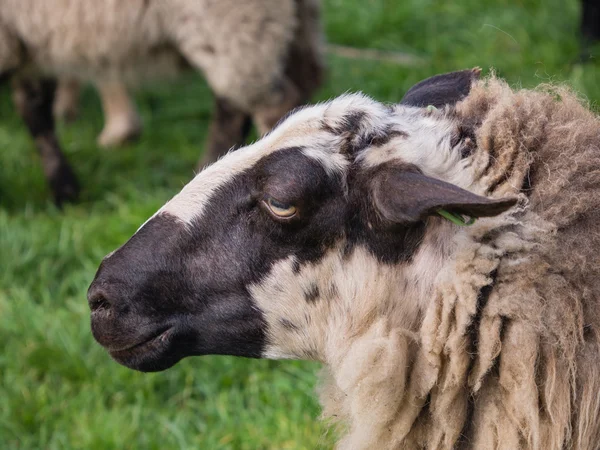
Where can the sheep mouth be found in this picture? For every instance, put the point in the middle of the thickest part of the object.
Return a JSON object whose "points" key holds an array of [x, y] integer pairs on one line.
{"points": [[144, 355]]}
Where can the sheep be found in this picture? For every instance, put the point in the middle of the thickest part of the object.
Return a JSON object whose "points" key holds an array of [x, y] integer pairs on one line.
{"points": [[346, 236], [260, 58], [590, 21]]}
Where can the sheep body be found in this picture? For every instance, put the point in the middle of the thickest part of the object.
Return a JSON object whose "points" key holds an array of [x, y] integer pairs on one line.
{"points": [[110, 40]]}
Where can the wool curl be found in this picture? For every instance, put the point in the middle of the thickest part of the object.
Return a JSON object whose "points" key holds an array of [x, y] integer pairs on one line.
{"points": [[506, 354]]}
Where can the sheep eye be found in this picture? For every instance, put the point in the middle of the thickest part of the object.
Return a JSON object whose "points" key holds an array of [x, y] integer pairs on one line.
{"points": [[280, 209]]}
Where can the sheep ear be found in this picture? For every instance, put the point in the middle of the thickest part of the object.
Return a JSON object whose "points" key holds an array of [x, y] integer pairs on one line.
{"points": [[441, 90], [404, 197]]}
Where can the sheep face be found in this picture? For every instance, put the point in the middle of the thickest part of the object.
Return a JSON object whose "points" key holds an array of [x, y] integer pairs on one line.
{"points": [[285, 246]]}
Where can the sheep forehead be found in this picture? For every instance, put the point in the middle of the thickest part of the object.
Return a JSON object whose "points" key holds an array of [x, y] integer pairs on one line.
{"points": [[319, 131], [424, 142], [309, 129]]}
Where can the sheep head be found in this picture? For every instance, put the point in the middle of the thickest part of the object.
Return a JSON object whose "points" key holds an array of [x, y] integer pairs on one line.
{"points": [[287, 247]]}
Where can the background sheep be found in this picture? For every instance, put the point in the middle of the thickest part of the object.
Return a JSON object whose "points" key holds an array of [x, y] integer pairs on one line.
{"points": [[323, 241], [590, 21], [260, 58]]}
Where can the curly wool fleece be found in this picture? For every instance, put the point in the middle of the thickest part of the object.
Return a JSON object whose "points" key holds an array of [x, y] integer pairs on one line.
{"points": [[507, 352]]}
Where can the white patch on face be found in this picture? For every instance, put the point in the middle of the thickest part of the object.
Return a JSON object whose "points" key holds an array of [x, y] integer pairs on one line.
{"points": [[427, 146], [375, 115], [333, 163], [353, 291], [190, 202]]}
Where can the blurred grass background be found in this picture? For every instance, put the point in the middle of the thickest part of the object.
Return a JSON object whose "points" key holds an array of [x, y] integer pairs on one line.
{"points": [[60, 390]]}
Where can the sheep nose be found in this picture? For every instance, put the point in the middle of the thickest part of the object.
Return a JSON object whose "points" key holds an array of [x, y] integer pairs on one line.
{"points": [[99, 298]]}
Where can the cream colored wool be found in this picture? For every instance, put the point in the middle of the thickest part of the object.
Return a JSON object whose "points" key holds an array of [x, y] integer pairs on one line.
{"points": [[239, 45], [520, 370]]}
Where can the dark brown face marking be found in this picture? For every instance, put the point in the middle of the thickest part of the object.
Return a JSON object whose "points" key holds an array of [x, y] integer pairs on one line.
{"points": [[311, 295], [376, 139], [288, 325], [296, 266], [195, 280], [349, 123], [354, 143], [332, 291]]}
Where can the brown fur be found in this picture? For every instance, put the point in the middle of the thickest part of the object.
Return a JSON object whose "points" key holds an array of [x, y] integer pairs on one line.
{"points": [[518, 369]]}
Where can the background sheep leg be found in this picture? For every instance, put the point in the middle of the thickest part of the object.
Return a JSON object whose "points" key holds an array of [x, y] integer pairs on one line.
{"points": [[34, 100], [304, 69], [66, 102], [231, 124], [590, 20], [229, 127], [280, 102], [305, 65], [122, 122], [252, 71]]}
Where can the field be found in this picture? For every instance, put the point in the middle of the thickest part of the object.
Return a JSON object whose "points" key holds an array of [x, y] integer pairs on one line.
{"points": [[60, 390]]}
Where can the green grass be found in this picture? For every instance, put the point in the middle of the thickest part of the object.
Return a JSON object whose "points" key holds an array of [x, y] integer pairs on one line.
{"points": [[60, 390]]}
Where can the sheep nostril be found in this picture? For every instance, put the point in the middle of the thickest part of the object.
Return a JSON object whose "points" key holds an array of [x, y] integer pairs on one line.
{"points": [[98, 301], [99, 304]]}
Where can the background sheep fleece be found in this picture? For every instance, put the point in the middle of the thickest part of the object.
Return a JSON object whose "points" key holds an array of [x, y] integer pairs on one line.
{"points": [[509, 345], [96, 40]]}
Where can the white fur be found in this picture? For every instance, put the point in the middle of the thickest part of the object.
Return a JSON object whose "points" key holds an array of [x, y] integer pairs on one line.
{"points": [[117, 40], [427, 145]]}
